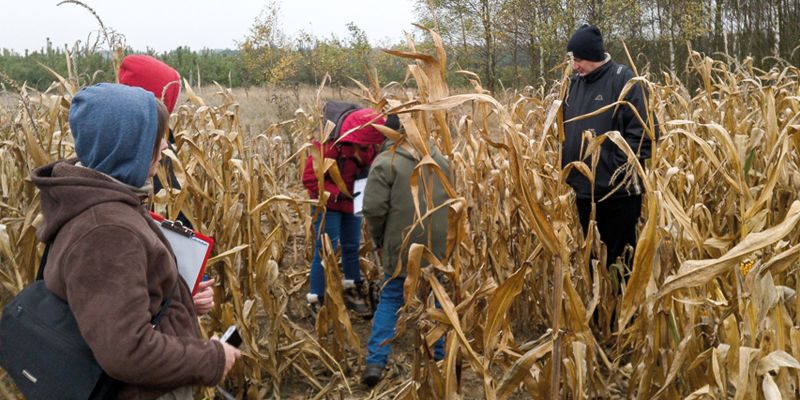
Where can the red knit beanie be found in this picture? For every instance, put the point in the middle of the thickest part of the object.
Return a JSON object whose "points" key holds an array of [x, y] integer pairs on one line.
{"points": [[152, 75], [366, 135]]}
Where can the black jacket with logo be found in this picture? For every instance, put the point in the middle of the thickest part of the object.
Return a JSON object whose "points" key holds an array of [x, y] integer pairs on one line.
{"points": [[589, 93]]}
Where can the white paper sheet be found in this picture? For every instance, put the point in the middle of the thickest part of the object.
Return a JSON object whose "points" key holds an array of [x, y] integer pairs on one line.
{"points": [[190, 253], [358, 202]]}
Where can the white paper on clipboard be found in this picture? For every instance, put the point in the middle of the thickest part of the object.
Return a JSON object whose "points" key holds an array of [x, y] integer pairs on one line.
{"points": [[358, 202], [191, 249], [190, 253]]}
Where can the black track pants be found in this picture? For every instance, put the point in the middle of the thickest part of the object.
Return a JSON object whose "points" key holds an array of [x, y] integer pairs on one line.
{"points": [[616, 221]]}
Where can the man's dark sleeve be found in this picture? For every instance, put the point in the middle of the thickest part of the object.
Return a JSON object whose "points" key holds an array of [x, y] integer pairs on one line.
{"points": [[631, 129]]}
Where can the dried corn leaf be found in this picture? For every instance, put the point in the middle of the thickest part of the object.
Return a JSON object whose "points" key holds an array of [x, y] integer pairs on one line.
{"points": [[698, 272]]}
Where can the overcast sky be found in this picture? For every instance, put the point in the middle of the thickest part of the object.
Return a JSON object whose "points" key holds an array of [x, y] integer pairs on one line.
{"points": [[166, 24]]}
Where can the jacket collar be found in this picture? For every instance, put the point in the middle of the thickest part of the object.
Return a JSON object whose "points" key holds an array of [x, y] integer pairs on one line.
{"points": [[595, 75]]}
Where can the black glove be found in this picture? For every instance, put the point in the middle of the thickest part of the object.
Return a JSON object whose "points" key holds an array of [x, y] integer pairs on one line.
{"points": [[341, 197]]}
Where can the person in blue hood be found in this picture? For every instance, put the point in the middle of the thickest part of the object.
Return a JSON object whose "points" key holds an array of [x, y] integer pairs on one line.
{"points": [[118, 144], [109, 260]]}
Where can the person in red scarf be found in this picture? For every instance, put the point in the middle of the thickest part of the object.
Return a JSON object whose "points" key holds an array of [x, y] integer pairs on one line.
{"points": [[353, 151]]}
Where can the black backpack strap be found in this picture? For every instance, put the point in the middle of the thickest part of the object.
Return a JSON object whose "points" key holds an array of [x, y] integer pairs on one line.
{"points": [[42, 262], [164, 305]]}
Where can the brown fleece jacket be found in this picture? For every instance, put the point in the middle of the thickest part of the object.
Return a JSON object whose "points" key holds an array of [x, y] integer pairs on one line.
{"points": [[112, 264]]}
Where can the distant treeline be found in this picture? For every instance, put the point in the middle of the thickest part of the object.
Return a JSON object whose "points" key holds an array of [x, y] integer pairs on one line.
{"points": [[516, 42], [226, 67], [508, 43], [230, 68]]}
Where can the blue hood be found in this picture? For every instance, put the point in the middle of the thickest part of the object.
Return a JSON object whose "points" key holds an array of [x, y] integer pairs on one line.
{"points": [[114, 127]]}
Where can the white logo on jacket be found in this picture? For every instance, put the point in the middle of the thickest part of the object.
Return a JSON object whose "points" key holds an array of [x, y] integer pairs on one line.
{"points": [[599, 97]]}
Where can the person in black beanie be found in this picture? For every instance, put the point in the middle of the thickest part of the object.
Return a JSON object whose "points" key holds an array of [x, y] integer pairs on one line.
{"points": [[615, 195], [393, 122], [587, 44]]}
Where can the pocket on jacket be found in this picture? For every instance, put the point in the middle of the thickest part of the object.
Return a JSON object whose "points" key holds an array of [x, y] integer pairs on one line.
{"points": [[612, 159]]}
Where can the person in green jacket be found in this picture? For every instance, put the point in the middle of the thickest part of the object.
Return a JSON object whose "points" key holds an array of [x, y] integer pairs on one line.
{"points": [[389, 212]]}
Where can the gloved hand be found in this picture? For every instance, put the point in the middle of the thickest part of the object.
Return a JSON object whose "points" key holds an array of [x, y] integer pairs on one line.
{"points": [[341, 197]]}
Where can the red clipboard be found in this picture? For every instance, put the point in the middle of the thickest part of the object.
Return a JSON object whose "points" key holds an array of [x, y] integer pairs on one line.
{"points": [[192, 249]]}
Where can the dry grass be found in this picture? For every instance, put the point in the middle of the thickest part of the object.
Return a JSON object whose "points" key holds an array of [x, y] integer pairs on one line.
{"points": [[709, 308], [262, 106]]}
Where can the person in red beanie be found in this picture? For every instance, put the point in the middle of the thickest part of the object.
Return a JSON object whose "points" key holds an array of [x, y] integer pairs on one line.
{"points": [[164, 82], [152, 75], [353, 151]]}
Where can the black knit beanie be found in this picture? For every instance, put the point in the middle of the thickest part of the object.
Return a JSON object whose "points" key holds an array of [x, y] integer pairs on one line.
{"points": [[587, 44], [392, 121]]}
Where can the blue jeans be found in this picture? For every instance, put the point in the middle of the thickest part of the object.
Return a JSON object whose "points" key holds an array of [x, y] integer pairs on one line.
{"points": [[385, 321], [344, 231]]}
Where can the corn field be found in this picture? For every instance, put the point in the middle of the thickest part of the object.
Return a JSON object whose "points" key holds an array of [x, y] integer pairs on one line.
{"points": [[709, 307]]}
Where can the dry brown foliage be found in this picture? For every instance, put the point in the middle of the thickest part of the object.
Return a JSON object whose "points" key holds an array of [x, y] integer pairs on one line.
{"points": [[709, 307]]}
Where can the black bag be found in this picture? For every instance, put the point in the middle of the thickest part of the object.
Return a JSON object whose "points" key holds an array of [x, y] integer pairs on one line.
{"points": [[43, 351], [336, 112]]}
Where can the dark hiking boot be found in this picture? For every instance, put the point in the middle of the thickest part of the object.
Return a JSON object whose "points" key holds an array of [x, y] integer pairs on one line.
{"points": [[355, 299], [372, 375]]}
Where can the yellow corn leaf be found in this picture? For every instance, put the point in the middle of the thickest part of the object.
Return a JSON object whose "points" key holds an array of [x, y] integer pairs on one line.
{"points": [[743, 383], [449, 310], [701, 394], [276, 199], [776, 360], [552, 114], [709, 154], [332, 169], [674, 207], [200, 156], [642, 264], [677, 364], [390, 133], [191, 95], [769, 188], [414, 135], [227, 253], [718, 356], [499, 303], [451, 359], [66, 83], [522, 368], [337, 316], [778, 263], [796, 137], [698, 272], [35, 150], [771, 391], [722, 135], [579, 355], [581, 167]]}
